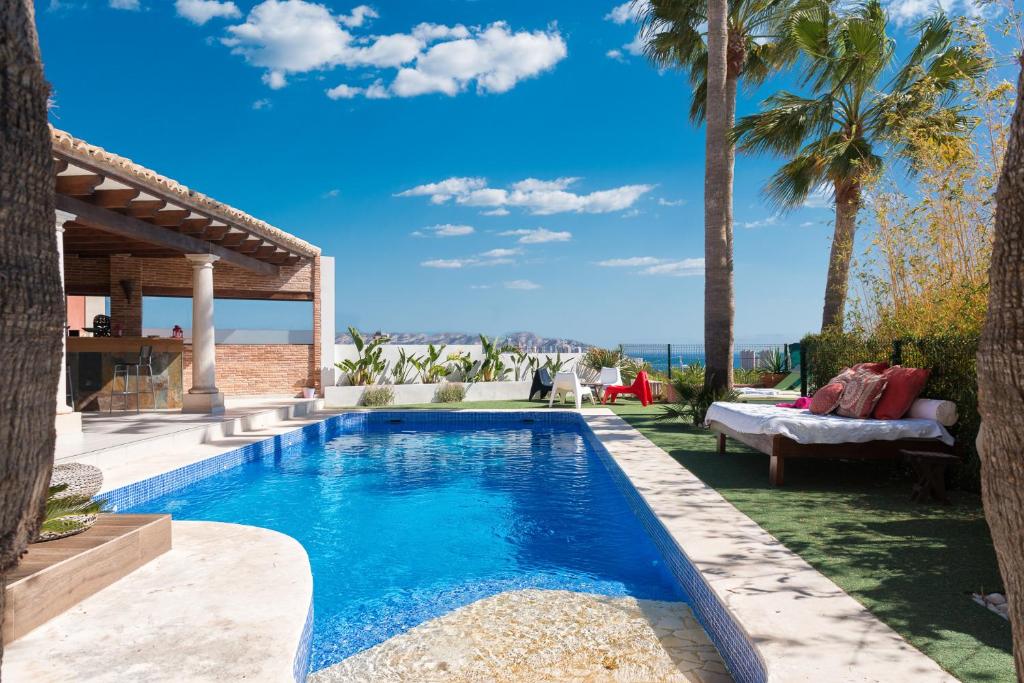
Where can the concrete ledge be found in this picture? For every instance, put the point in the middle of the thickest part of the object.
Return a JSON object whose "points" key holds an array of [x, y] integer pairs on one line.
{"points": [[228, 603], [805, 627], [413, 394]]}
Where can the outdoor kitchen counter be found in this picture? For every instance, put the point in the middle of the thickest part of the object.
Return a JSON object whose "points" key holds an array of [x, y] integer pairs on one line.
{"points": [[91, 363]]}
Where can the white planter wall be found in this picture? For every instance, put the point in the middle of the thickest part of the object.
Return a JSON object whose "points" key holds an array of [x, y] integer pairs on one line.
{"points": [[390, 354], [410, 394]]}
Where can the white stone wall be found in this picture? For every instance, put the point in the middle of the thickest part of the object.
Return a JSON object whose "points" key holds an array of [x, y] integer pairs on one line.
{"points": [[412, 394]]}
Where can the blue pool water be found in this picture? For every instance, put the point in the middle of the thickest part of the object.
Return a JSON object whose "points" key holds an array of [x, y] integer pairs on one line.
{"points": [[403, 525]]}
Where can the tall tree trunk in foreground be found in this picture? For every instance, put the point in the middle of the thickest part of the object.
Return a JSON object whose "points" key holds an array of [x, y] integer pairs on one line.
{"points": [[1001, 382], [847, 206], [31, 296], [718, 294]]}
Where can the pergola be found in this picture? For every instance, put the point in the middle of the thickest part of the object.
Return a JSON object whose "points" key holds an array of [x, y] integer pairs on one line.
{"points": [[126, 231]]}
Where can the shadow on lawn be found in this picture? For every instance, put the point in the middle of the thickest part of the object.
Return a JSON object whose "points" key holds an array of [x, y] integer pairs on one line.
{"points": [[911, 564]]}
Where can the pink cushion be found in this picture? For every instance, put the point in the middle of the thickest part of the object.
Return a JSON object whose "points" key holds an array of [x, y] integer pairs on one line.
{"points": [[861, 394], [826, 399], [903, 385]]}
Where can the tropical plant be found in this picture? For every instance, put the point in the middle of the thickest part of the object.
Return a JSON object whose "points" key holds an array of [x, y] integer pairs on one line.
{"points": [[631, 367], [369, 367], [459, 365], [523, 363], [67, 514], [717, 43], [838, 138], [692, 399], [431, 372], [404, 370], [31, 327], [492, 367], [377, 397], [554, 365], [773, 361], [596, 358], [450, 392]]}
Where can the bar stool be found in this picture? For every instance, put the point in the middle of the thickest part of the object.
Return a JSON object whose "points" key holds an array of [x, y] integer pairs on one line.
{"points": [[124, 369]]}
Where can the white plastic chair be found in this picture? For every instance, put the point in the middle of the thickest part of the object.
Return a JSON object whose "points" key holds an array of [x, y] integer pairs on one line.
{"points": [[609, 377], [569, 383]]}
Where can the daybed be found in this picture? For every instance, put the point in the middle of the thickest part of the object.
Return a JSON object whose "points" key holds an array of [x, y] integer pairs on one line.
{"points": [[784, 433]]}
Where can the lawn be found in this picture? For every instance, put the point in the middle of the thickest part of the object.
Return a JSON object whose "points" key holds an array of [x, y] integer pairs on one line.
{"points": [[912, 565]]}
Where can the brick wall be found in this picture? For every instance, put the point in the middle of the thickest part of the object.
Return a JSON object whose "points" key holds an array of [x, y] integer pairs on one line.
{"points": [[126, 307], [259, 369], [315, 361]]}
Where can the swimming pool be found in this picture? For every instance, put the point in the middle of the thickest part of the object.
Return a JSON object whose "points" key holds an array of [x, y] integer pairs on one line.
{"points": [[405, 520]]}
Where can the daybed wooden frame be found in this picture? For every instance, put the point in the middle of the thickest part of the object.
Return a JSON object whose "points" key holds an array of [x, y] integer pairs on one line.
{"points": [[780, 448]]}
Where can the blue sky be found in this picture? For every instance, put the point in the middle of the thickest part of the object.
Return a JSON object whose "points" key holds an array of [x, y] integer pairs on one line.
{"points": [[573, 200]]}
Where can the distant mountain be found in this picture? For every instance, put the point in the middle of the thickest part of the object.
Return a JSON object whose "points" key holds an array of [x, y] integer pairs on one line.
{"points": [[522, 340]]}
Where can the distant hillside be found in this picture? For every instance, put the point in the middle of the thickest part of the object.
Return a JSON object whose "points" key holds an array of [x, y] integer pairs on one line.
{"points": [[522, 340]]}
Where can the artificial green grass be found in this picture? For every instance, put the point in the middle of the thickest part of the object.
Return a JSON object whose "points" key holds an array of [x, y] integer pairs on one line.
{"points": [[912, 565]]}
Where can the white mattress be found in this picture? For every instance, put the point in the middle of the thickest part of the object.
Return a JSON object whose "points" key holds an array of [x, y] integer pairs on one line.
{"points": [[805, 427]]}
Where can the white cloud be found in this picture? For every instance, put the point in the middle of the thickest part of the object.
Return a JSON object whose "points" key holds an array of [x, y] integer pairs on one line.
{"points": [[263, 103], [501, 253], [441, 192], [905, 12], [521, 284], [761, 222], [539, 197], [616, 55], [331, 194], [343, 92], [538, 236], [444, 263], [479, 286], [670, 202], [358, 16], [631, 262], [494, 257], [295, 36], [651, 265], [636, 46], [627, 11], [496, 212], [125, 4], [201, 11], [685, 268], [446, 230], [808, 224]]}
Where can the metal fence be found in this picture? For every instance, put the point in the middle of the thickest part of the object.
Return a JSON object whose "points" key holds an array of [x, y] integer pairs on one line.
{"points": [[664, 358]]}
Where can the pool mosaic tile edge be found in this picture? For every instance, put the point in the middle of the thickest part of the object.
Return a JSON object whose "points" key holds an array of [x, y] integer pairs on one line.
{"points": [[737, 650]]}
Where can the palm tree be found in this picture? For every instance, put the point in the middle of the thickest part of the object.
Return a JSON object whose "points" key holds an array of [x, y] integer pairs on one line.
{"points": [[32, 303], [1000, 390], [738, 42], [839, 138]]}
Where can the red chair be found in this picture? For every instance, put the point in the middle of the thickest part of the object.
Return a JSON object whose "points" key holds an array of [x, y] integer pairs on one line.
{"points": [[640, 388]]}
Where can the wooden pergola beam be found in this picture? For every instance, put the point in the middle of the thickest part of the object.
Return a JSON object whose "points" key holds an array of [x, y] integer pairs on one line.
{"points": [[77, 185], [114, 199], [133, 228]]}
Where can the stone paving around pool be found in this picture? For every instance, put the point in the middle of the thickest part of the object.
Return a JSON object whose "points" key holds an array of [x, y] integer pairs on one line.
{"points": [[536, 635]]}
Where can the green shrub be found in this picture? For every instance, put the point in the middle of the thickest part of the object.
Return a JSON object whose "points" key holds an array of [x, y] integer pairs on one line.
{"points": [[377, 397], [631, 367], [747, 375], [596, 358], [450, 392]]}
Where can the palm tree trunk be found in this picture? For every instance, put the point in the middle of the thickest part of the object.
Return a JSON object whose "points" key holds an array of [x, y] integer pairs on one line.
{"points": [[1001, 382], [847, 206], [718, 169], [32, 303]]}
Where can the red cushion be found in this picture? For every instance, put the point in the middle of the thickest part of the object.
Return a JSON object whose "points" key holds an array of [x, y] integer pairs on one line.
{"points": [[826, 399], [903, 386], [861, 394]]}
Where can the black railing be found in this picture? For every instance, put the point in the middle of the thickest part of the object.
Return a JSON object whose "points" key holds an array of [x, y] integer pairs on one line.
{"points": [[664, 358]]}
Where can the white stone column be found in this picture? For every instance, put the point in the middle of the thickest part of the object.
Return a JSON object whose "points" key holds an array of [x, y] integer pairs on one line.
{"points": [[67, 421], [203, 397]]}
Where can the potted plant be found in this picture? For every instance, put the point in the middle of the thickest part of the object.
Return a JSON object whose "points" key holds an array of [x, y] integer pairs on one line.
{"points": [[773, 367]]}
